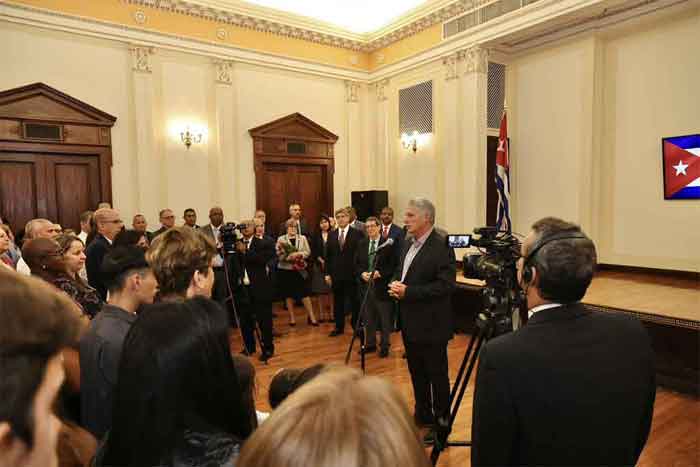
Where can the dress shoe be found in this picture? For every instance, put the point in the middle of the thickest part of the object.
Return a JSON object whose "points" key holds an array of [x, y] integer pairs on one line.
{"points": [[370, 349], [383, 353], [335, 332], [429, 438], [292, 323], [264, 356], [315, 324]]}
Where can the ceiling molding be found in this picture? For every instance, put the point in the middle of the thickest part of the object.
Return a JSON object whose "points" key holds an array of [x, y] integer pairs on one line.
{"points": [[49, 19], [299, 27]]}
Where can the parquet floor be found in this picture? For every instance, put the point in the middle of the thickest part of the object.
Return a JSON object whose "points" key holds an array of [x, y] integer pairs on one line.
{"points": [[675, 430]]}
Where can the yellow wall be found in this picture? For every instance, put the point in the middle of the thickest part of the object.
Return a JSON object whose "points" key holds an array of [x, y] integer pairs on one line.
{"points": [[406, 47], [587, 118], [180, 89]]}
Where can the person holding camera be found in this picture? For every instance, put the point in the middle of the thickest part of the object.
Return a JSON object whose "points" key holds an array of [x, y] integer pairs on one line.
{"points": [[423, 284], [573, 386]]}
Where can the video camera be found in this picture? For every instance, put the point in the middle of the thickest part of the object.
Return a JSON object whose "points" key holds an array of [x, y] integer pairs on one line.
{"points": [[231, 233]]}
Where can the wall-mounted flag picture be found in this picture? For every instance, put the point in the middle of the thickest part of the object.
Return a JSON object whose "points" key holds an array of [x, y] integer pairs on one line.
{"points": [[681, 162]]}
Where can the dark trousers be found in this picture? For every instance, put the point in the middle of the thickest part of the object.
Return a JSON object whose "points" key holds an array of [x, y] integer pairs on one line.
{"points": [[220, 294], [344, 296], [427, 362], [259, 313], [378, 313]]}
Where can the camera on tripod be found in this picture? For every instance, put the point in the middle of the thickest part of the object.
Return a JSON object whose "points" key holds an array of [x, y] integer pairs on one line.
{"points": [[230, 234]]}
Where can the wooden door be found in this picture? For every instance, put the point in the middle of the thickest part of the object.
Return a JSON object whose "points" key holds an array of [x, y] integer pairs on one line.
{"points": [[57, 187], [285, 183]]}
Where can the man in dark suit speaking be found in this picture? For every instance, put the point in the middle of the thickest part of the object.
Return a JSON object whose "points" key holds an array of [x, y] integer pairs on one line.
{"points": [[423, 283], [573, 386]]}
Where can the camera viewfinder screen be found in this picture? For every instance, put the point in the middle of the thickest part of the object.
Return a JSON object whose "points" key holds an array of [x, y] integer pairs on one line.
{"points": [[458, 241]]}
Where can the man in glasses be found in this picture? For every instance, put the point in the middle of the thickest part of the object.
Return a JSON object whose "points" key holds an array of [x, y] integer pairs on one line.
{"points": [[167, 220], [109, 224]]}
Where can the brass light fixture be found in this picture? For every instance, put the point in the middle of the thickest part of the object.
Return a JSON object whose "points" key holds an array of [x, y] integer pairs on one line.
{"points": [[189, 138], [410, 142]]}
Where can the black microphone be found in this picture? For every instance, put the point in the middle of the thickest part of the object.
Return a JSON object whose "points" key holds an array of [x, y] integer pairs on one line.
{"points": [[387, 242]]}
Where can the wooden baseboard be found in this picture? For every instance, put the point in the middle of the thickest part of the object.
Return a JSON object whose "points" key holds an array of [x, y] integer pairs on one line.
{"points": [[689, 275]]}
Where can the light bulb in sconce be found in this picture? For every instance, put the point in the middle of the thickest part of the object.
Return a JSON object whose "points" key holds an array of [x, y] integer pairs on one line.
{"points": [[189, 138], [410, 142]]}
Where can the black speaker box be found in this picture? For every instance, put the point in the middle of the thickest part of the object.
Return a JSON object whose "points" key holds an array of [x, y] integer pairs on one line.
{"points": [[369, 203]]}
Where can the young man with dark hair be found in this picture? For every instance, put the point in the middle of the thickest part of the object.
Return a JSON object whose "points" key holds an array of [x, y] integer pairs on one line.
{"points": [[131, 283], [572, 387], [190, 217], [38, 323]]}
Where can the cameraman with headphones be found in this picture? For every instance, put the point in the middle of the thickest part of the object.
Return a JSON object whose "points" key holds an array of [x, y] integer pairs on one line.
{"points": [[572, 387]]}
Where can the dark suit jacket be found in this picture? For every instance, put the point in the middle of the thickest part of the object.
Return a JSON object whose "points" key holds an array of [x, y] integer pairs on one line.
{"points": [[304, 229], [426, 309], [395, 232], [340, 264], [385, 261], [95, 254], [256, 259], [572, 387]]}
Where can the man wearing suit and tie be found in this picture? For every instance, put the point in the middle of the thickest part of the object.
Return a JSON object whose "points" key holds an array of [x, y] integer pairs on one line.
{"points": [[213, 231], [340, 269], [379, 307], [295, 214], [573, 386], [423, 284], [109, 224], [167, 220], [257, 250]]}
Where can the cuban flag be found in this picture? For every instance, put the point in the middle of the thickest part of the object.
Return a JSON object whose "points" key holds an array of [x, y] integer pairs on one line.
{"points": [[503, 177], [682, 167]]}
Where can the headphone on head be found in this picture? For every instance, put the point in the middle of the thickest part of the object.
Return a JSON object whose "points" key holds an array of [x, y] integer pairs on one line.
{"points": [[527, 272]]}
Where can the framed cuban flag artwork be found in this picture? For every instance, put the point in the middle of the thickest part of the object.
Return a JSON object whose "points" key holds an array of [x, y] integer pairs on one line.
{"points": [[681, 166]]}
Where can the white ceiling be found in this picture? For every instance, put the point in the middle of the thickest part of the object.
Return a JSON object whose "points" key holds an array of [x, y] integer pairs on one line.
{"points": [[359, 16]]}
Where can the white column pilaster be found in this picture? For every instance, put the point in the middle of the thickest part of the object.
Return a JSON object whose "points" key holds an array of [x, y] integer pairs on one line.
{"points": [[225, 171], [354, 167], [452, 215], [473, 131]]}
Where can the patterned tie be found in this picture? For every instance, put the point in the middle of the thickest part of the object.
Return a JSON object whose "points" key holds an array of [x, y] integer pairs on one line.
{"points": [[342, 238], [372, 255]]}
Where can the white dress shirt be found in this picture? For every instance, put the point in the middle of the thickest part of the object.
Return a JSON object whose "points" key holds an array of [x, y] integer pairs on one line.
{"points": [[413, 251], [541, 307]]}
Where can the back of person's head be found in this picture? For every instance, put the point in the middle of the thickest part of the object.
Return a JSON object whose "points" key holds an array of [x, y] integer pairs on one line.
{"points": [[340, 419], [564, 258], [128, 237], [176, 255], [122, 262], [37, 323], [288, 380], [36, 227], [246, 377], [176, 373]]}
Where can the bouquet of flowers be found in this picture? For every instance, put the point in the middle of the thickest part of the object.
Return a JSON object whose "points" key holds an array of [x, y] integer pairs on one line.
{"points": [[298, 262]]}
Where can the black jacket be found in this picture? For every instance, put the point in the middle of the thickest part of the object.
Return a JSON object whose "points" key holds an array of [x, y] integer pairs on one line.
{"points": [[340, 263], [95, 254], [385, 262], [426, 309], [573, 387], [256, 259]]}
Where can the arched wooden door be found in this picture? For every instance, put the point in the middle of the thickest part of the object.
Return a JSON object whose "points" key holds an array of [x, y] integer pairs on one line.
{"points": [[293, 164]]}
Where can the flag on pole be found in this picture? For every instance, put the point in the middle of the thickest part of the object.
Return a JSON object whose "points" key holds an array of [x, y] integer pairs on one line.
{"points": [[503, 177]]}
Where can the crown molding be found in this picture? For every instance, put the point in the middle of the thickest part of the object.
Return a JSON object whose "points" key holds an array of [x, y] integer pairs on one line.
{"points": [[52, 20], [259, 18]]}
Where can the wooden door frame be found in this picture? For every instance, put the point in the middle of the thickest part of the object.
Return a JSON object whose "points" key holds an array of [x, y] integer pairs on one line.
{"points": [[271, 144]]}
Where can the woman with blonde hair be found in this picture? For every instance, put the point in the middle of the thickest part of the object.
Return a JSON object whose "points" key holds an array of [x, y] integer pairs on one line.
{"points": [[181, 260], [340, 419], [293, 250]]}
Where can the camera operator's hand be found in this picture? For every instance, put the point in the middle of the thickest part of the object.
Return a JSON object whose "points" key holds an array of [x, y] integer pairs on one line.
{"points": [[329, 281], [397, 290], [365, 276], [240, 246]]}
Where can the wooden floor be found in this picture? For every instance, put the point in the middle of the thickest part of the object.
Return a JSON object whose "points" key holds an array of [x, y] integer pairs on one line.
{"points": [[676, 425]]}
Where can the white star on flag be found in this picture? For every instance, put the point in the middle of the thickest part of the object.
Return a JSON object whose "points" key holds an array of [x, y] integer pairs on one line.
{"points": [[680, 168]]}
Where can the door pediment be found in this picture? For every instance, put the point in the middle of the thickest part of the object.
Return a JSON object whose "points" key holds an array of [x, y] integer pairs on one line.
{"points": [[39, 101], [294, 126]]}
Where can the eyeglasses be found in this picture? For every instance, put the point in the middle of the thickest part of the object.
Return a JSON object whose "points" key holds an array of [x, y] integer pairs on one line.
{"points": [[117, 221]]}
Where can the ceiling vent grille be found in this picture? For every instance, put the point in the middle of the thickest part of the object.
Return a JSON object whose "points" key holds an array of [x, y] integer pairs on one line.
{"points": [[481, 15]]}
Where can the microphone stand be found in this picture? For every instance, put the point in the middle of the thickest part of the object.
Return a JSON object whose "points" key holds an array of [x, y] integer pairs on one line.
{"points": [[361, 321]]}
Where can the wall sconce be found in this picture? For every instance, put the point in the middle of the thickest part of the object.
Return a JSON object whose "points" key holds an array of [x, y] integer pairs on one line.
{"points": [[188, 137], [410, 142]]}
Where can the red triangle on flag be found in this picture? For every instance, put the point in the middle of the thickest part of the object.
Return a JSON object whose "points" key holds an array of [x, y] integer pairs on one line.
{"points": [[675, 179]]}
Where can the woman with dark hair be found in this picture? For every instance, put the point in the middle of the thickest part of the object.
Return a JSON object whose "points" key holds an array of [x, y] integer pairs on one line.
{"points": [[68, 278], [178, 400], [319, 251], [128, 237], [58, 263]]}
